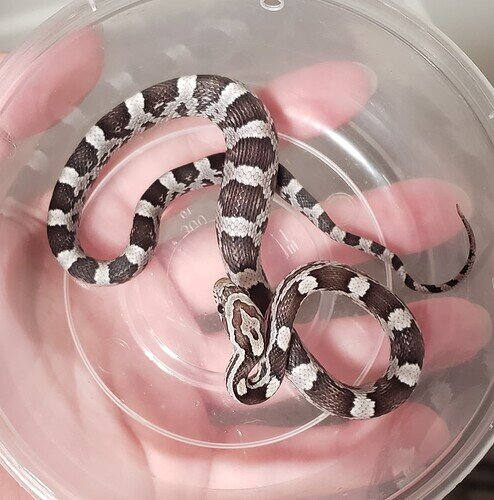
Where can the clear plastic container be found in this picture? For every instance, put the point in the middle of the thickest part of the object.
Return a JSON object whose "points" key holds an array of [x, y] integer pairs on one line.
{"points": [[119, 392]]}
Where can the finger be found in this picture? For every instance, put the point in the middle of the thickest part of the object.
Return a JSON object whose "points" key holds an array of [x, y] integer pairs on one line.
{"points": [[391, 214], [454, 331], [52, 85], [310, 100], [407, 226]]}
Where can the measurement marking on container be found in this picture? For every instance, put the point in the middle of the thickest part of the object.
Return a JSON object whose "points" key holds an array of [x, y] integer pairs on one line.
{"points": [[194, 224], [291, 248], [185, 213]]}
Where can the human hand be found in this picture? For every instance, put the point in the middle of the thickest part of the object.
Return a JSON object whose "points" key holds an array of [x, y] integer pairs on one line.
{"points": [[173, 298]]}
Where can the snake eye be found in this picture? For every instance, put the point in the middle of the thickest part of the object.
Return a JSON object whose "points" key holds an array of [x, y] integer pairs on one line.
{"points": [[221, 309]]}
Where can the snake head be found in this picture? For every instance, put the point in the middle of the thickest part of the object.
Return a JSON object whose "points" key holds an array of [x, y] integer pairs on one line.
{"points": [[222, 290], [242, 320]]}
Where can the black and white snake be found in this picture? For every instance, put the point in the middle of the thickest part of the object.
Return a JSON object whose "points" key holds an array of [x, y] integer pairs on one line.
{"points": [[259, 324]]}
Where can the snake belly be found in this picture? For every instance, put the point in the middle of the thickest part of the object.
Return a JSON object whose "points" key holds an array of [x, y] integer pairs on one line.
{"points": [[249, 173]]}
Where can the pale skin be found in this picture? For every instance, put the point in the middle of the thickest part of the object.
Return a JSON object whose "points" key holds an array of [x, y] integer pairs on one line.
{"points": [[454, 330]]}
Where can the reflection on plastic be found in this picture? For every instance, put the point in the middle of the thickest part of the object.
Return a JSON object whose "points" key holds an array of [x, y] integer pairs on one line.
{"points": [[7, 145]]}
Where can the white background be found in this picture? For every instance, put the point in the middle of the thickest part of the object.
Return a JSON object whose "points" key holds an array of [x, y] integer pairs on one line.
{"points": [[466, 22]]}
